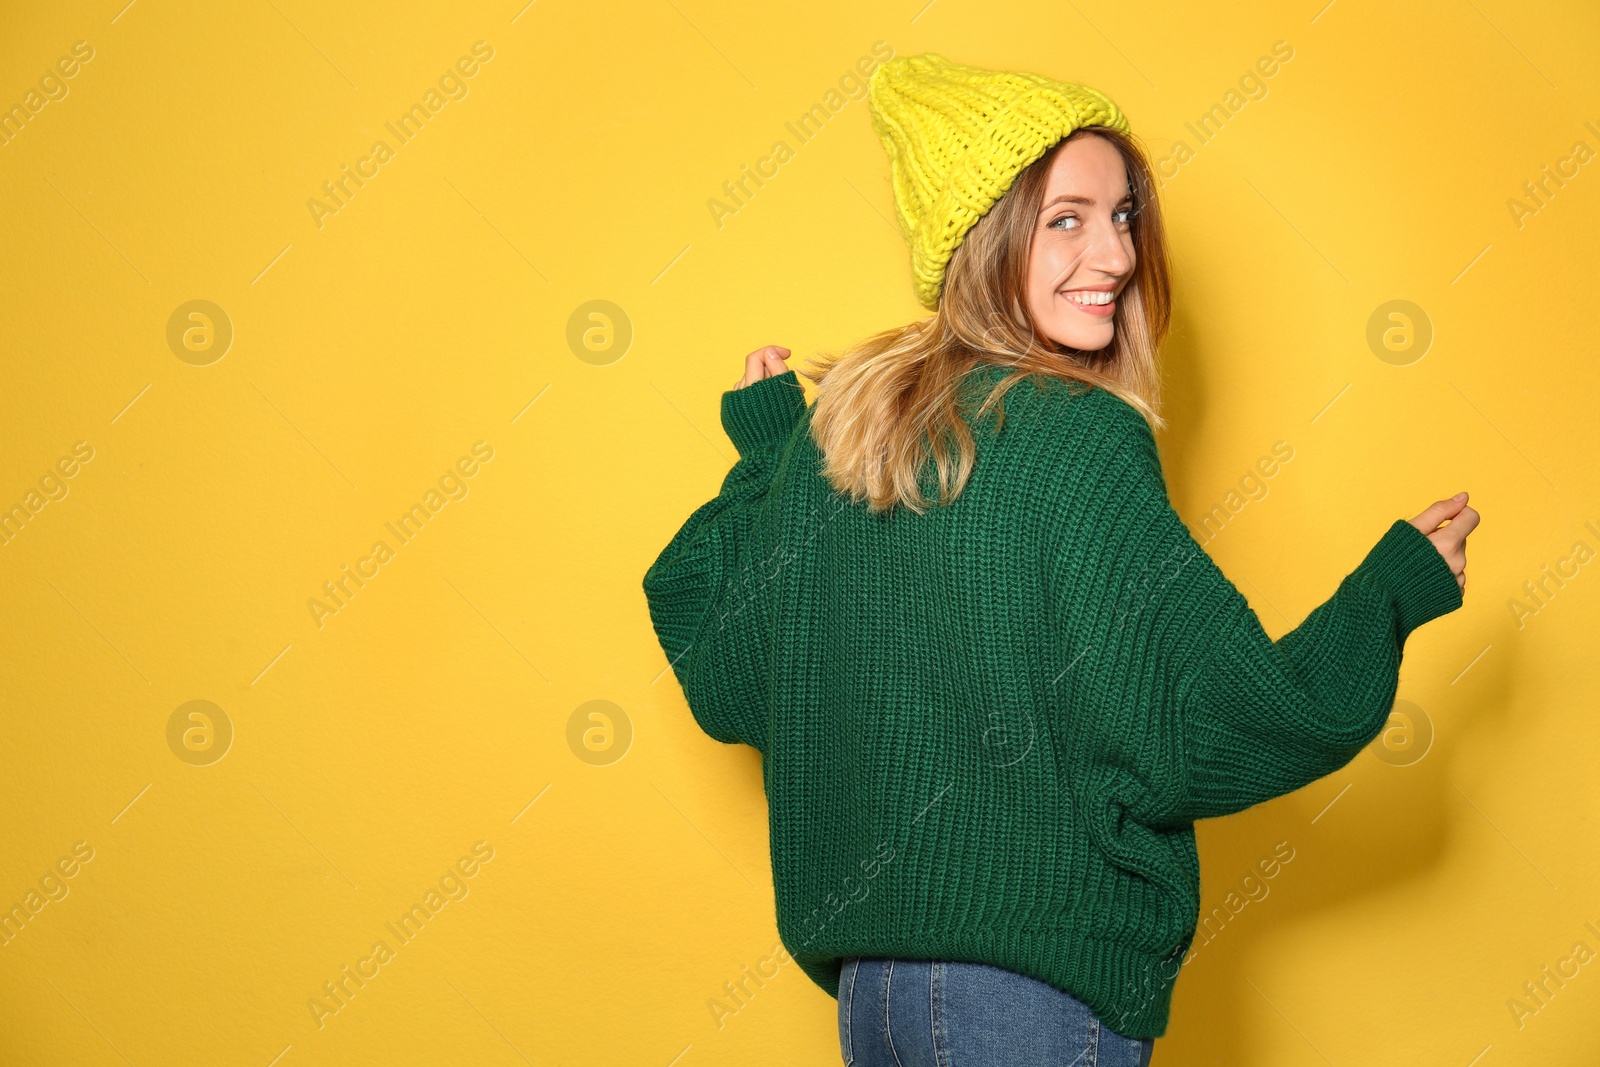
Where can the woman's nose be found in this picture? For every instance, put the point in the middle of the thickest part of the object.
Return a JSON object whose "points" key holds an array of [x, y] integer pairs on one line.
{"points": [[1109, 254]]}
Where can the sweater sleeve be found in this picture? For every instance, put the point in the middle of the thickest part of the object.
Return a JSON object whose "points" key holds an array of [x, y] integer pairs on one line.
{"points": [[1186, 705], [705, 589]]}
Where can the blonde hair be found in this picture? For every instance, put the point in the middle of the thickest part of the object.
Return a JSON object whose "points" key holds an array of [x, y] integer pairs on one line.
{"points": [[891, 401]]}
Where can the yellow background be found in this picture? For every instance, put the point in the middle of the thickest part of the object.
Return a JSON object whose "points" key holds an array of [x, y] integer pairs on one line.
{"points": [[370, 353]]}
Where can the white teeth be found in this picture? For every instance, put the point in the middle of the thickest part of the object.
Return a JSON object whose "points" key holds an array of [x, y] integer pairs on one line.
{"points": [[1086, 296]]}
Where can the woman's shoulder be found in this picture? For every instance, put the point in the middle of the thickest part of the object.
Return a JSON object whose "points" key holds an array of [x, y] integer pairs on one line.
{"points": [[1062, 439], [1051, 411]]}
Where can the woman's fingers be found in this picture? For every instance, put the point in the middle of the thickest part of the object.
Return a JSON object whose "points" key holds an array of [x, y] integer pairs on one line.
{"points": [[1438, 512], [754, 369], [1447, 524], [1451, 541], [763, 363], [1469, 519], [1465, 521]]}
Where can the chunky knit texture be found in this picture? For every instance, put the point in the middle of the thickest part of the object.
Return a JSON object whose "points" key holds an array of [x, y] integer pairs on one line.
{"points": [[987, 731], [957, 137]]}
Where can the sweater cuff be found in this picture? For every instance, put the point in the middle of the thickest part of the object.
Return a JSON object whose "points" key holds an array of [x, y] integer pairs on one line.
{"points": [[763, 413], [1408, 566]]}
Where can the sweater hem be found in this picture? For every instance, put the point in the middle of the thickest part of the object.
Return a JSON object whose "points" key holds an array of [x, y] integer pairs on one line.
{"points": [[1129, 989]]}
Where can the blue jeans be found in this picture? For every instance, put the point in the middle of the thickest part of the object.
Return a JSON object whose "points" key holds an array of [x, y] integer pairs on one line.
{"points": [[916, 1013]]}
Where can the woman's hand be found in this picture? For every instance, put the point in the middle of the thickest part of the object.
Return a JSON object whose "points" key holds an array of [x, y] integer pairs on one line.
{"points": [[1451, 538], [763, 363]]}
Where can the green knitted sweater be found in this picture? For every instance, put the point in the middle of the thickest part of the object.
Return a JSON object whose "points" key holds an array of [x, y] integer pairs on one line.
{"points": [[987, 731]]}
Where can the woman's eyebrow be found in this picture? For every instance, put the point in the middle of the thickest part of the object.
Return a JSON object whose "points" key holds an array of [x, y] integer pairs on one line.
{"points": [[1073, 198], [1070, 198]]}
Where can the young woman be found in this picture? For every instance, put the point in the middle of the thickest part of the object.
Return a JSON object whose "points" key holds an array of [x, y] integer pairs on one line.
{"points": [[993, 677]]}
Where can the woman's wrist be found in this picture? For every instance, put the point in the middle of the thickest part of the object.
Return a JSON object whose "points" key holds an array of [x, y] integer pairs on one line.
{"points": [[763, 413], [1408, 566]]}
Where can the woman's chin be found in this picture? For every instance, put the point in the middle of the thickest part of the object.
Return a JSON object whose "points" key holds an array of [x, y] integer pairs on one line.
{"points": [[1084, 340]]}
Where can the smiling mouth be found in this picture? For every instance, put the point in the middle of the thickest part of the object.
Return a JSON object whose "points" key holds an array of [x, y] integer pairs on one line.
{"points": [[1092, 301]]}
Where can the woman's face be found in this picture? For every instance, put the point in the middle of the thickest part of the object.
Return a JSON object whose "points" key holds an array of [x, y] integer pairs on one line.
{"points": [[1082, 254]]}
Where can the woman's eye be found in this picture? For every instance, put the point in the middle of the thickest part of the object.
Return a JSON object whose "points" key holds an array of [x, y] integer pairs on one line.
{"points": [[1122, 216]]}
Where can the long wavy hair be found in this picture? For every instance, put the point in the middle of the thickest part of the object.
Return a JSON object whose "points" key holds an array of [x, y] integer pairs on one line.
{"points": [[891, 402]]}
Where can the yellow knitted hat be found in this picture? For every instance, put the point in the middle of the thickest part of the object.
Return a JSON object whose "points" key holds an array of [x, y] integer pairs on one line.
{"points": [[957, 137]]}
